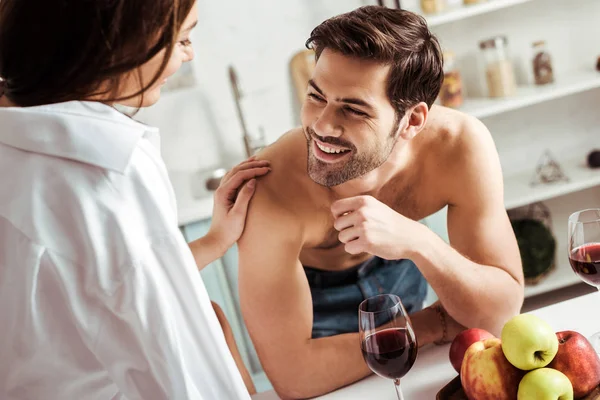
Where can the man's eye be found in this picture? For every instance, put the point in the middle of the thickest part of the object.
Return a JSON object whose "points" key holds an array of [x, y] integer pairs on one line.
{"points": [[315, 97], [185, 42], [355, 112]]}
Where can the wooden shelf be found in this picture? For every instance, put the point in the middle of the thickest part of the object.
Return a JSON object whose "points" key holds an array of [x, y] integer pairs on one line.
{"points": [[466, 11], [575, 82], [518, 192]]}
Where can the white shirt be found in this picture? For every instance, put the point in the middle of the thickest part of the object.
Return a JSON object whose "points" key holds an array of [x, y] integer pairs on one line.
{"points": [[100, 295]]}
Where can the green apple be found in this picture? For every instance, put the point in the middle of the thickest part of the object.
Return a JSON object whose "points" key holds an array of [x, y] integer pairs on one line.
{"points": [[545, 384], [528, 342]]}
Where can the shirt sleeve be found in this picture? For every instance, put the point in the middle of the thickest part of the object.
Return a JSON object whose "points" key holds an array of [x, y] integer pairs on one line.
{"points": [[159, 337]]}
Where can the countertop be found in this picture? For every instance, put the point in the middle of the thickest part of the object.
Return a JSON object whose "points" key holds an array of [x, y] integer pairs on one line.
{"points": [[432, 369]]}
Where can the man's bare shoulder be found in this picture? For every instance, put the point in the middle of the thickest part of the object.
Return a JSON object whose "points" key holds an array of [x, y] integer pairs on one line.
{"points": [[279, 205], [288, 184], [465, 153], [453, 128], [453, 140]]}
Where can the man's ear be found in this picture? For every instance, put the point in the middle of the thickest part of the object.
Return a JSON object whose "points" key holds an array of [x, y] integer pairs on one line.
{"points": [[417, 117]]}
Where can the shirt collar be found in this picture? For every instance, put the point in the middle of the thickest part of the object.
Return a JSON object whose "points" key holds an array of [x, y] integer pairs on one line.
{"points": [[89, 132]]}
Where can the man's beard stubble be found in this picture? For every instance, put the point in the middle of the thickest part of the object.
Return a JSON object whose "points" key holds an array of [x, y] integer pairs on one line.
{"points": [[357, 165]]}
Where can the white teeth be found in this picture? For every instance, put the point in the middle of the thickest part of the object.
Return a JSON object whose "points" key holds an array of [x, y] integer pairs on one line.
{"points": [[329, 149]]}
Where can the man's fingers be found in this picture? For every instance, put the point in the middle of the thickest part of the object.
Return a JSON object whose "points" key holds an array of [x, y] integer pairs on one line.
{"points": [[343, 222], [348, 235], [348, 205], [354, 247]]}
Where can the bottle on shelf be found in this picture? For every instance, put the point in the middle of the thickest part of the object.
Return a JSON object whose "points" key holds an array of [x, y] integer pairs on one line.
{"points": [[433, 6], [451, 93], [499, 72], [542, 64]]}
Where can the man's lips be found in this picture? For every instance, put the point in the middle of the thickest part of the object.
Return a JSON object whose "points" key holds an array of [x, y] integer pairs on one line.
{"points": [[330, 148], [328, 153]]}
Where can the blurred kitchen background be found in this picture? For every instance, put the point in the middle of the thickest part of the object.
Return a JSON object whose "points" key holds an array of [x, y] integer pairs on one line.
{"points": [[527, 68]]}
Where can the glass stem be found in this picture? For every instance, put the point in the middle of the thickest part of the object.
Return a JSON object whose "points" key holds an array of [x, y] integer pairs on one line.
{"points": [[398, 389]]}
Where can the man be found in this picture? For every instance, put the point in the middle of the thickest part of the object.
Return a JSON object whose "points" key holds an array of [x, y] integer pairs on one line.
{"points": [[336, 220]]}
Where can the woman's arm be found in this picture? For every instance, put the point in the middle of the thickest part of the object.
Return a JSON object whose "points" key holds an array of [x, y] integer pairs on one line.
{"points": [[230, 207]]}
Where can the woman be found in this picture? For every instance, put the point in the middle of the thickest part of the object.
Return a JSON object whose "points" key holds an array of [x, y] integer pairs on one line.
{"points": [[101, 295]]}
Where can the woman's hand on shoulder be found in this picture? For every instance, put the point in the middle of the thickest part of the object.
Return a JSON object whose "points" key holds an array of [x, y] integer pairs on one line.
{"points": [[232, 199]]}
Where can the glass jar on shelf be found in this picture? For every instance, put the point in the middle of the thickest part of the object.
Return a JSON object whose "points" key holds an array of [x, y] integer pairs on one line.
{"points": [[433, 6], [542, 64], [451, 93], [499, 72]]}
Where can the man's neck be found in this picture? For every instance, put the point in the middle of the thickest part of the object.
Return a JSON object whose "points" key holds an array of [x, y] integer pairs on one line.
{"points": [[372, 182]]}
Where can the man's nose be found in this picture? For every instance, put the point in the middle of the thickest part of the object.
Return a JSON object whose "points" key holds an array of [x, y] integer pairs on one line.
{"points": [[327, 123]]}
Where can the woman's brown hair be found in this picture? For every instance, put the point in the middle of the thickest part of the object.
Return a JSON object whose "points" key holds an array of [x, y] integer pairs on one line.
{"points": [[54, 51], [398, 38]]}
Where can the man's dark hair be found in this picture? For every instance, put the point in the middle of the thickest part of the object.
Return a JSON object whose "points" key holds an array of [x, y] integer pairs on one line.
{"points": [[398, 38]]}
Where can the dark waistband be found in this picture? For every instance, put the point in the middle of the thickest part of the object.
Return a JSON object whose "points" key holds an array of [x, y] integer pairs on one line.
{"points": [[319, 278]]}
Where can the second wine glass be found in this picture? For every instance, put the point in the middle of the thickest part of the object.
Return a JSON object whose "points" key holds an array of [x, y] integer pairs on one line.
{"points": [[584, 251], [387, 339]]}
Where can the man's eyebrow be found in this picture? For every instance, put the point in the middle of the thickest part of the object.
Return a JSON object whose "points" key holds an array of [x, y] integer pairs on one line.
{"points": [[349, 100], [314, 85], [358, 102]]}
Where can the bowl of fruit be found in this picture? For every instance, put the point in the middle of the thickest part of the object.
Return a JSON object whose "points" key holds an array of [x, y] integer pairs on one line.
{"points": [[529, 361]]}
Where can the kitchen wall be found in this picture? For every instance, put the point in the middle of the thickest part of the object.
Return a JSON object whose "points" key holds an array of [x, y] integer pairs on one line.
{"points": [[200, 128]]}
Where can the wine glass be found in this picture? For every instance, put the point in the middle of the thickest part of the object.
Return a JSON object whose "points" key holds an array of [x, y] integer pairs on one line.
{"points": [[584, 251], [387, 339]]}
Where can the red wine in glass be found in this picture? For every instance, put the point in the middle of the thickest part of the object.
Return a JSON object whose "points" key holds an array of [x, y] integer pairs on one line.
{"points": [[390, 353], [585, 261], [387, 339], [584, 251]]}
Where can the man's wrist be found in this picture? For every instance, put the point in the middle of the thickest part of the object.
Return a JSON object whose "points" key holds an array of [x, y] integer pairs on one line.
{"points": [[423, 239]]}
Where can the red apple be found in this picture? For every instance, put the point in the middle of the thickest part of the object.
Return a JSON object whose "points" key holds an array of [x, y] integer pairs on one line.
{"points": [[461, 343], [577, 359], [486, 374]]}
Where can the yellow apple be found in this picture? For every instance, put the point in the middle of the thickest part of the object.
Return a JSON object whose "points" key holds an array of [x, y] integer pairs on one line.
{"points": [[528, 342], [545, 384]]}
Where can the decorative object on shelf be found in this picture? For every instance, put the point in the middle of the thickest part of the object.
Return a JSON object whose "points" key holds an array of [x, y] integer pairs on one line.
{"points": [[598, 64], [533, 229], [451, 93], [542, 64], [433, 6], [469, 2], [548, 170], [593, 159], [396, 4], [499, 70]]}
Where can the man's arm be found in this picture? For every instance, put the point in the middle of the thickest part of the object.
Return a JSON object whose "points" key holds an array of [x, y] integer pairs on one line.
{"points": [[483, 260], [478, 277], [277, 308]]}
